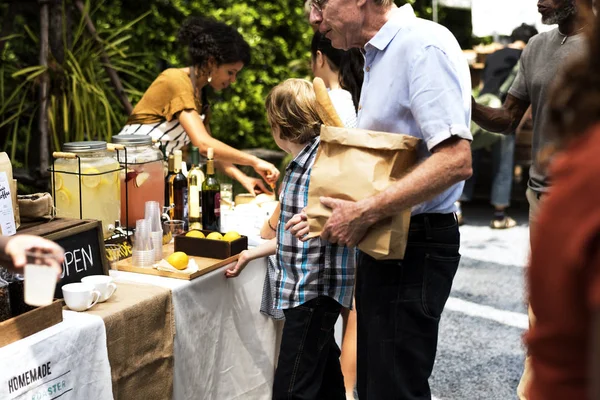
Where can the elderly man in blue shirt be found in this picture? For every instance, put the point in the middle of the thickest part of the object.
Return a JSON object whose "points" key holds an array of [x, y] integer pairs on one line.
{"points": [[417, 82]]}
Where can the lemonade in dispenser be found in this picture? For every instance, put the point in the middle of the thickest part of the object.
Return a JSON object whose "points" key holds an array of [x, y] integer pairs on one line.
{"points": [[85, 184]]}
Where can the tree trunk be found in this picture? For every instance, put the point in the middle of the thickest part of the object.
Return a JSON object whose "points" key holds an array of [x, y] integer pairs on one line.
{"points": [[43, 94], [112, 74], [57, 45]]}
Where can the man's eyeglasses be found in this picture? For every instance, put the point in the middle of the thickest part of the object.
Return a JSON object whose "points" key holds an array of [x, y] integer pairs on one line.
{"points": [[319, 5]]}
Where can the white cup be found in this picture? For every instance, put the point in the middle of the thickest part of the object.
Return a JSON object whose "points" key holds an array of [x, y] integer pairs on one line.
{"points": [[102, 283], [40, 282], [80, 296]]}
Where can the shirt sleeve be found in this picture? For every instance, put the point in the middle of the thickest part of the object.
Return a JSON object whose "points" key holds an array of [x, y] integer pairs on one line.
{"points": [[181, 96], [436, 98], [519, 86]]}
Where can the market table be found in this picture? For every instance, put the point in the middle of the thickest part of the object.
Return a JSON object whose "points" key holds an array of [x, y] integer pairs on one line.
{"points": [[224, 348], [68, 359]]}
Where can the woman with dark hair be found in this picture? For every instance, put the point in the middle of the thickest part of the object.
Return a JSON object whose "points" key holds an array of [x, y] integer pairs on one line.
{"points": [[174, 111], [564, 276], [342, 72]]}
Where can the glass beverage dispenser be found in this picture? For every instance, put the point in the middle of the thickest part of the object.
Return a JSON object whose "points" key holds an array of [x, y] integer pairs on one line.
{"points": [[142, 178], [85, 184]]}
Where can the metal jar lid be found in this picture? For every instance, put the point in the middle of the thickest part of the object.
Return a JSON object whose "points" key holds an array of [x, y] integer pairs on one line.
{"points": [[84, 147], [132, 140]]}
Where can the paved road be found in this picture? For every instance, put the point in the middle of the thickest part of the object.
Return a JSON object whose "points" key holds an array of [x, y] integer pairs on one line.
{"points": [[480, 351]]}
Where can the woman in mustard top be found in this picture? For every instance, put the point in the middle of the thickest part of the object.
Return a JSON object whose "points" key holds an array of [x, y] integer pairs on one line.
{"points": [[174, 111]]}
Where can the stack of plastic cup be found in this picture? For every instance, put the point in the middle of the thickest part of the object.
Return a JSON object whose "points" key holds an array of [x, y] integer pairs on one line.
{"points": [[143, 252], [152, 216]]}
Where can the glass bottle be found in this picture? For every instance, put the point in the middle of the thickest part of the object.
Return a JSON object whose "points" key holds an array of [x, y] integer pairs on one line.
{"points": [[168, 178], [178, 190], [195, 179], [211, 197]]}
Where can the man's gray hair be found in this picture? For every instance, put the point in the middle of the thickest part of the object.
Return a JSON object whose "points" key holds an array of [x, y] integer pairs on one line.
{"points": [[385, 3]]}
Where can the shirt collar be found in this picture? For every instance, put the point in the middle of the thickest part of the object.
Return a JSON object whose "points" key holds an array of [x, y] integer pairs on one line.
{"points": [[398, 19], [305, 154]]}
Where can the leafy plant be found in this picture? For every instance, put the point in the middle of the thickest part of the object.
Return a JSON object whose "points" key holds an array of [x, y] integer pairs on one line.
{"points": [[82, 104]]}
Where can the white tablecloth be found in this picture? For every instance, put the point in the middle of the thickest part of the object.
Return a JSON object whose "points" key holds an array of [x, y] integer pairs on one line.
{"points": [[68, 360], [224, 348]]}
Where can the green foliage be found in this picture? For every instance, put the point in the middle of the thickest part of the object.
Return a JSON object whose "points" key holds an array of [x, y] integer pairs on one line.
{"points": [[140, 38], [82, 104]]}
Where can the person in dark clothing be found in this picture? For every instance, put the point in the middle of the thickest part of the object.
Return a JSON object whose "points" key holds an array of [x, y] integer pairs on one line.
{"points": [[498, 74]]}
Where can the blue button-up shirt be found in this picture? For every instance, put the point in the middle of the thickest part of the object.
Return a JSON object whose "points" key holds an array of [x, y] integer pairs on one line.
{"points": [[417, 82]]}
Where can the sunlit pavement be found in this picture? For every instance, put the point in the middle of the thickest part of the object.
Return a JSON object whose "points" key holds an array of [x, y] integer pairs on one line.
{"points": [[480, 351]]}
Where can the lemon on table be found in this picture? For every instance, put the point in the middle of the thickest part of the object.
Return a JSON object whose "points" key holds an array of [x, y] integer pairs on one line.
{"points": [[89, 178], [231, 236], [178, 260], [195, 234], [215, 236]]}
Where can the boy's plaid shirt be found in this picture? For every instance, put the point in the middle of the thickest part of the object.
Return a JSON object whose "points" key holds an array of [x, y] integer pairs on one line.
{"points": [[306, 270]]}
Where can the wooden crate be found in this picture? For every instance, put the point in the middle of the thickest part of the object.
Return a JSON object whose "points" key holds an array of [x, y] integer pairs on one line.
{"points": [[31, 322], [219, 249]]}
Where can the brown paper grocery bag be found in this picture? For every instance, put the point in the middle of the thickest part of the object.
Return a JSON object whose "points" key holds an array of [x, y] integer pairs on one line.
{"points": [[352, 164]]}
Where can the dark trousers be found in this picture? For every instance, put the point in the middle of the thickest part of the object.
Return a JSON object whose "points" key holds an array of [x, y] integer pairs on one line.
{"points": [[399, 304], [309, 359]]}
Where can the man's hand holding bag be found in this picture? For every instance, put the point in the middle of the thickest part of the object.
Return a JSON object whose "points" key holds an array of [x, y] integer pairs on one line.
{"points": [[353, 164]]}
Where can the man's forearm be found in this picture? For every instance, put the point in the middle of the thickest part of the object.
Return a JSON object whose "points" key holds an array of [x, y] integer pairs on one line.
{"points": [[443, 169], [493, 119], [500, 120]]}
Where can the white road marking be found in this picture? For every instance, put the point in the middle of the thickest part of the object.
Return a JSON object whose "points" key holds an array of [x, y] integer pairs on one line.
{"points": [[517, 320], [506, 247]]}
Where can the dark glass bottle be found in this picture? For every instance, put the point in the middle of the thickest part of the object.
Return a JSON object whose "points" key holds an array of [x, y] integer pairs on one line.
{"points": [[178, 194], [168, 179], [211, 197]]}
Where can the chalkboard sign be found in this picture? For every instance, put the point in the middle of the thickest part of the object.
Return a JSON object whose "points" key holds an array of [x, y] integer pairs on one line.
{"points": [[83, 242]]}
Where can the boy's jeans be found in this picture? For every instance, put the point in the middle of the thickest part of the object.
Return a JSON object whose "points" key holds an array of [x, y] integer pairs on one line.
{"points": [[309, 359], [503, 152]]}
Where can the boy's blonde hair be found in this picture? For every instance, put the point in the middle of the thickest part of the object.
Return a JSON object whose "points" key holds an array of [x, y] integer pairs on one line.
{"points": [[292, 108]]}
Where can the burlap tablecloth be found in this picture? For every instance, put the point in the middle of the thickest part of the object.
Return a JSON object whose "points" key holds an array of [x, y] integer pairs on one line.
{"points": [[140, 331]]}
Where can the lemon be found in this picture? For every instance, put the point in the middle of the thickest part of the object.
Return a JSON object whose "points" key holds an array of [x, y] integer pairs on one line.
{"points": [[231, 236], [215, 236], [109, 178], [63, 197], [141, 178], [58, 181], [195, 234], [89, 179], [167, 238], [178, 260]]}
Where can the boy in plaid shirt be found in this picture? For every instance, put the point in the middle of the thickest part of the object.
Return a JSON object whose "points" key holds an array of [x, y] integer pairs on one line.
{"points": [[315, 278]]}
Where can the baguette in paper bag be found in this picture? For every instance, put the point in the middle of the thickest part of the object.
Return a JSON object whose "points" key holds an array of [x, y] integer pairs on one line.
{"points": [[353, 164]]}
